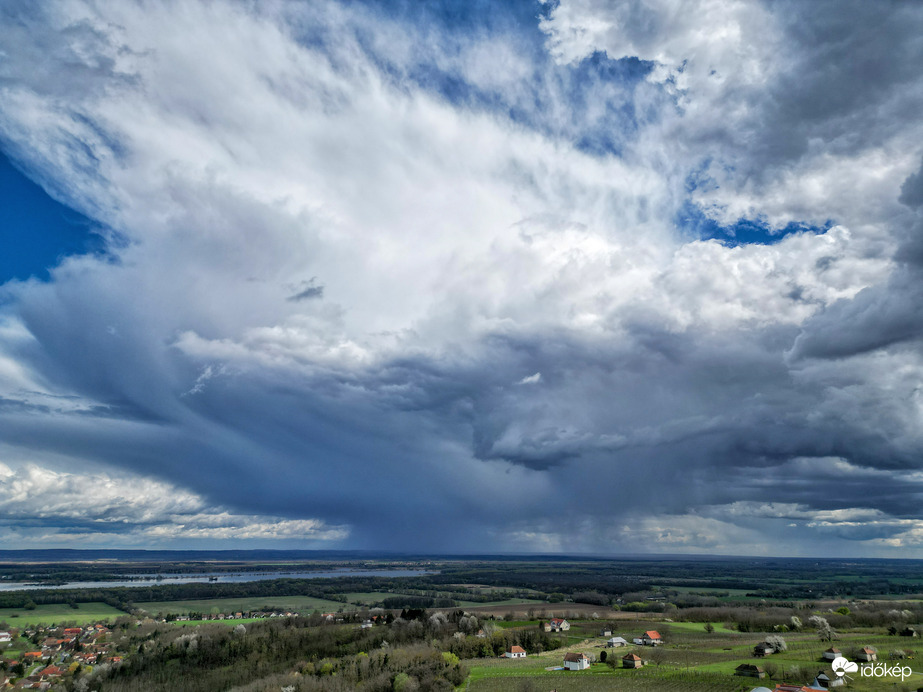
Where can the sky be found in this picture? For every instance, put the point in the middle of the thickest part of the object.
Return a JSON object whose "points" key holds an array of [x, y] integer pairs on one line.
{"points": [[586, 276]]}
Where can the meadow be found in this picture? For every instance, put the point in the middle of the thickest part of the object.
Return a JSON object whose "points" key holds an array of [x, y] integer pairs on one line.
{"points": [[205, 606], [691, 659], [59, 613]]}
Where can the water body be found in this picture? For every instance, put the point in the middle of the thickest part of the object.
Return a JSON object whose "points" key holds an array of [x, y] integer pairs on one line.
{"points": [[153, 580]]}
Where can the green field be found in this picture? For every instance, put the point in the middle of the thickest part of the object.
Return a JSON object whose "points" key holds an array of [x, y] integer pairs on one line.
{"points": [[371, 597], [227, 622], [691, 660], [500, 604], [367, 597], [700, 627], [301, 604], [58, 613]]}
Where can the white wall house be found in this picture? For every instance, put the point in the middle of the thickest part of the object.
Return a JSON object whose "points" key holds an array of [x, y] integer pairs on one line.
{"points": [[515, 652], [576, 661]]}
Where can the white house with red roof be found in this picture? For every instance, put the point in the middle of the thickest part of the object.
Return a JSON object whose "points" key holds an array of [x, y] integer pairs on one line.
{"points": [[557, 625], [515, 652], [651, 638]]}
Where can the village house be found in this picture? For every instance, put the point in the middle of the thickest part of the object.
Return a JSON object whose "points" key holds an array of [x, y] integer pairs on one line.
{"points": [[5, 637], [576, 661], [750, 670], [557, 625], [651, 638], [632, 661], [616, 642], [51, 672], [832, 653], [515, 652], [867, 654]]}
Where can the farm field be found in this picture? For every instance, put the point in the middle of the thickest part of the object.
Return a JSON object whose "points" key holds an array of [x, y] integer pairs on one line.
{"points": [[59, 613], [302, 604]]}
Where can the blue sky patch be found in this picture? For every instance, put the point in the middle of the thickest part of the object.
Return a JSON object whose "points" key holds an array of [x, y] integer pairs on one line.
{"points": [[693, 222], [36, 231]]}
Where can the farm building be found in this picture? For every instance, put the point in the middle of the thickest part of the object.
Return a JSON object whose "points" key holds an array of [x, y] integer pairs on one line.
{"points": [[515, 652], [909, 632], [616, 642], [750, 670], [832, 653], [576, 661], [651, 638], [632, 661], [867, 654], [825, 682], [764, 649]]}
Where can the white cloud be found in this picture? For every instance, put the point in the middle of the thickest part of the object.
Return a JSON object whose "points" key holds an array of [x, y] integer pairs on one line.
{"points": [[60, 504]]}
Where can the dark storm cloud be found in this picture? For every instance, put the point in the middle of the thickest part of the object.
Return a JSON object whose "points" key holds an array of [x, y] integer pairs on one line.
{"points": [[306, 291], [912, 190]]}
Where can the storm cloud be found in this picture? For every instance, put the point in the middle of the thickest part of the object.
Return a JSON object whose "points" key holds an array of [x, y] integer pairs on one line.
{"points": [[585, 276]]}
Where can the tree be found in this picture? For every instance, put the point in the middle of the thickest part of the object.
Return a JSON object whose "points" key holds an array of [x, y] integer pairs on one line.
{"points": [[796, 622], [658, 655], [824, 630], [777, 642], [709, 627]]}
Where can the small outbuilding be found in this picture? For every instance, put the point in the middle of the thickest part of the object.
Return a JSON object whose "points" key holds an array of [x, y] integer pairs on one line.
{"points": [[616, 642], [762, 650], [832, 653], [749, 670], [632, 661], [867, 654]]}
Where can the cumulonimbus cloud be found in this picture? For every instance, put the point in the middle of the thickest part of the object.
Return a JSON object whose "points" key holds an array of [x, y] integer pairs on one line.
{"points": [[506, 301]]}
